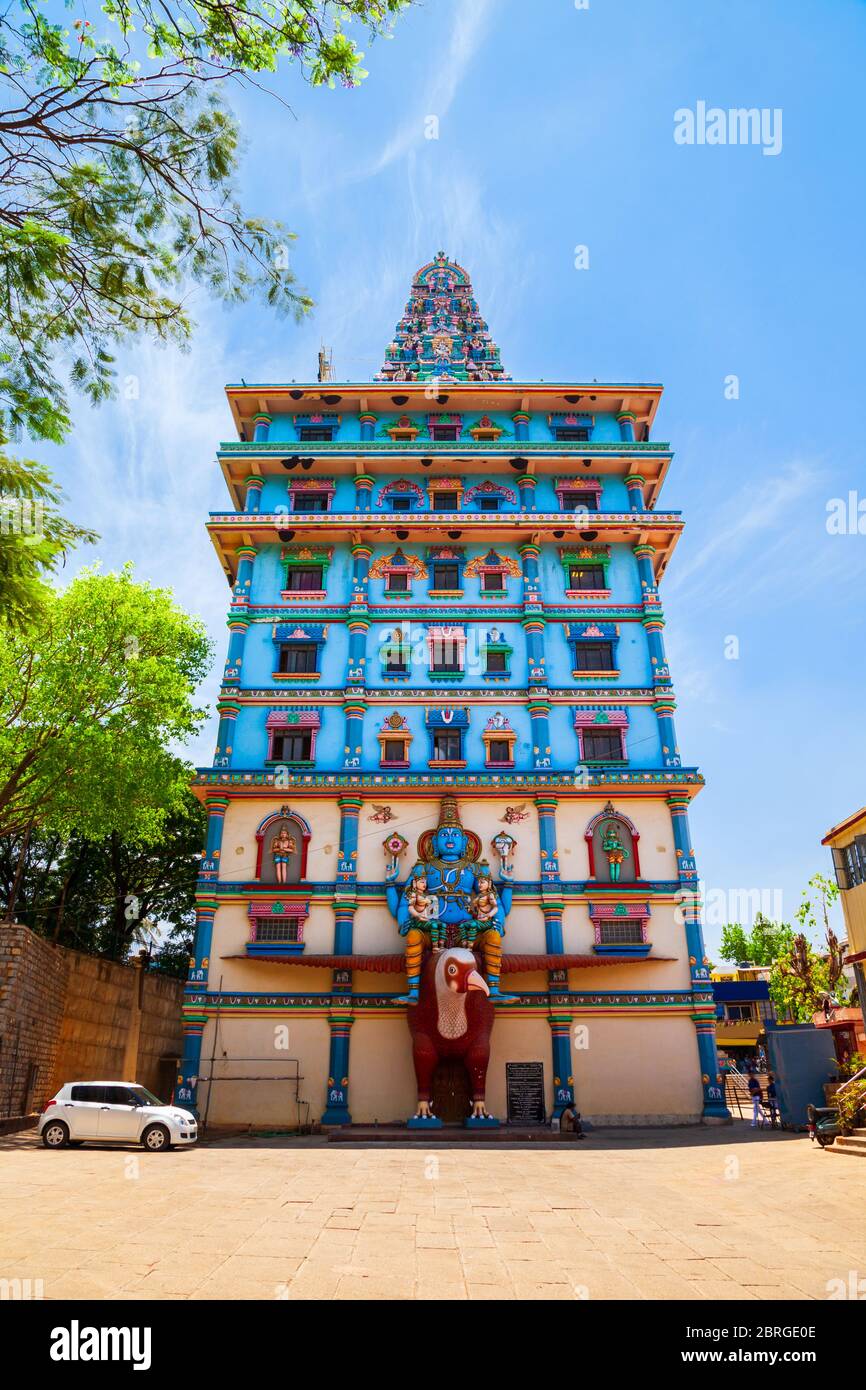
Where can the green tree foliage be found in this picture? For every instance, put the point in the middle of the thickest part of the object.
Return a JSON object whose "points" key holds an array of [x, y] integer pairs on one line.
{"points": [[99, 896], [118, 165], [34, 537], [760, 946], [91, 699]]}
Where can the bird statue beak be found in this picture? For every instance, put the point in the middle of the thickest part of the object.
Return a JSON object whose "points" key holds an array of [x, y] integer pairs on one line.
{"points": [[476, 981]]}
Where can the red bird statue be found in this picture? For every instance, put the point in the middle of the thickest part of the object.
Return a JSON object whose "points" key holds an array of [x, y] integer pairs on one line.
{"points": [[452, 1019]]}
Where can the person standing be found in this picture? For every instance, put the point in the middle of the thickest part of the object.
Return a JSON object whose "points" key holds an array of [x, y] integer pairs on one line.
{"points": [[755, 1093], [772, 1099]]}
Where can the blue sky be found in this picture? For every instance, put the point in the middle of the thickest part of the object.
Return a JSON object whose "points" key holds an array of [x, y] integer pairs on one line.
{"points": [[556, 130]]}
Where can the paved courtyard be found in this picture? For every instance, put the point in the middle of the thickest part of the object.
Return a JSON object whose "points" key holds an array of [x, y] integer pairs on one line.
{"points": [[720, 1213]]}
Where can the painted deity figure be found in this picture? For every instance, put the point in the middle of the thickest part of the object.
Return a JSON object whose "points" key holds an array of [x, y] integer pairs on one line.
{"points": [[282, 848], [448, 872], [611, 843]]}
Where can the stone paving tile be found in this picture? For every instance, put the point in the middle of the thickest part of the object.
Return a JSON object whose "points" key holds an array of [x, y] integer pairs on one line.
{"points": [[621, 1216]]}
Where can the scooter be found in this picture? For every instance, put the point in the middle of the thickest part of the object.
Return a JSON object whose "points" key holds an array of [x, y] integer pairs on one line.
{"points": [[823, 1124]]}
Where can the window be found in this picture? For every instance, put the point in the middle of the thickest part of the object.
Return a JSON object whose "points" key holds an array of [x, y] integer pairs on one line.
{"points": [[488, 504], [394, 750], [446, 501], [278, 929], [594, 656], [396, 663], [304, 579], [298, 658], [401, 504], [739, 1013], [309, 502], [445, 432], [397, 583], [587, 577], [571, 501], [445, 656], [493, 582], [93, 1095], [570, 432], [622, 933], [447, 747], [316, 434], [499, 750], [496, 663], [293, 748], [446, 576], [602, 747]]}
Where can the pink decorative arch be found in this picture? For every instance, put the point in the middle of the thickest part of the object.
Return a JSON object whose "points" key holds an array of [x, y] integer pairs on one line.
{"points": [[589, 834], [284, 813]]}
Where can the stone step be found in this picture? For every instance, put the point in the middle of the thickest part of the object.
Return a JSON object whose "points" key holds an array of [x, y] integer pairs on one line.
{"points": [[852, 1144]]}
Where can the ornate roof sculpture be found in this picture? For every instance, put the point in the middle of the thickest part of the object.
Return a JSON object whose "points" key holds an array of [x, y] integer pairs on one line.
{"points": [[442, 333]]}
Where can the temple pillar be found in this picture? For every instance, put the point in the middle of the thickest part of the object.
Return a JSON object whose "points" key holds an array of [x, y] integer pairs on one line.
{"points": [[368, 425], [654, 627], [534, 629], [703, 1005], [664, 710], [354, 711], [261, 428], [336, 1110], [363, 492], [635, 484], [237, 627], [539, 714], [521, 425], [625, 420], [228, 713], [246, 555], [649, 590], [563, 1078], [356, 672], [253, 501], [526, 485]]}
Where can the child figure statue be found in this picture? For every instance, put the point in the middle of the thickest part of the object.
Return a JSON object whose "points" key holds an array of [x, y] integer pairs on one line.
{"points": [[485, 907], [424, 909]]}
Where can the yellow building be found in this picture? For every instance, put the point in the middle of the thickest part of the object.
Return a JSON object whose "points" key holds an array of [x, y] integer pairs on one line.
{"points": [[847, 841]]}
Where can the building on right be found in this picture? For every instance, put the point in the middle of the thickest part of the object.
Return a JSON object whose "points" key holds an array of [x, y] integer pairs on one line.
{"points": [[847, 842]]}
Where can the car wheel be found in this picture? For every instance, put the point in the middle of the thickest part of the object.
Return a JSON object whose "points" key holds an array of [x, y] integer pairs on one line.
{"points": [[156, 1139], [55, 1135]]}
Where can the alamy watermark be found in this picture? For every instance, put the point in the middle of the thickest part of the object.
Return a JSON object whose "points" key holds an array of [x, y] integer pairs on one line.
{"points": [[738, 125]]}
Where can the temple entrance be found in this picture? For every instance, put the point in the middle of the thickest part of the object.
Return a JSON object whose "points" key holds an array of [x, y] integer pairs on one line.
{"points": [[450, 1093]]}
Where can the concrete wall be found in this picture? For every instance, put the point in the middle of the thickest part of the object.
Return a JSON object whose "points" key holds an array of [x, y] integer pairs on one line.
{"points": [[67, 1016]]}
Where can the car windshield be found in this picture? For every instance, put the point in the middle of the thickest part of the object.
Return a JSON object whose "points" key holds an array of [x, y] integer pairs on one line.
{"points": [[145, 1097]]}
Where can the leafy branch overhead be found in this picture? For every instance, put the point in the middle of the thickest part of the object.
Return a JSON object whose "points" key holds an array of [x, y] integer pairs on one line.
{"points": [[118, 159]]}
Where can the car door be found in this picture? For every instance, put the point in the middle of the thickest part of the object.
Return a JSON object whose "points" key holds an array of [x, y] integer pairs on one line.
{"points": [[81, 1111], [119, 1116]]}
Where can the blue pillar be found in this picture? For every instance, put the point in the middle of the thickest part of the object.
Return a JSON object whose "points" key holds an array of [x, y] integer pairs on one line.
{"points": [[526, 486], [238, 627], [354, 711], [521, 425], [625, 420], [261, 428], [243, 585], [368, 425], [228, 713], [363, 492], [664, 710], [356, 670], [253, 501], [563, 1079], [649, 589], [534, 629], [529, 555], [703, 1005], [635, 484], [654, 626], [337, 1099], [539, 714]]}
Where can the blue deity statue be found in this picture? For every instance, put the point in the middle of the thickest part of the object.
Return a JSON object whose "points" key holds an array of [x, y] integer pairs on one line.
{"points": [[450, 887]]}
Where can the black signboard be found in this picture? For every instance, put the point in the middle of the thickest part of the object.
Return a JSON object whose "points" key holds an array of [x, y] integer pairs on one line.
{"points": [[524, 1083]]}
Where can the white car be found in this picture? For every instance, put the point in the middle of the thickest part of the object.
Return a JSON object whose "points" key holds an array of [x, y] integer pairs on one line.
{"points": [[119, 1112]]}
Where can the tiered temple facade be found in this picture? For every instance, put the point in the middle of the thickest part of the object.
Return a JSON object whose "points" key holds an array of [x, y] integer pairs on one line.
{"points": [[445, 586]]}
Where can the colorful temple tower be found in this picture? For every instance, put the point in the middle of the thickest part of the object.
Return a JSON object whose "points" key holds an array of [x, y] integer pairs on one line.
{"points": [[447, 726]]}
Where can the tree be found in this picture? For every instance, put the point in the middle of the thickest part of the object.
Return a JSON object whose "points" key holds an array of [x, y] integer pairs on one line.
{"points": [[95, 896], [34, 537], [760, 946], [118, 160], [799, 981], [90, 700]]}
